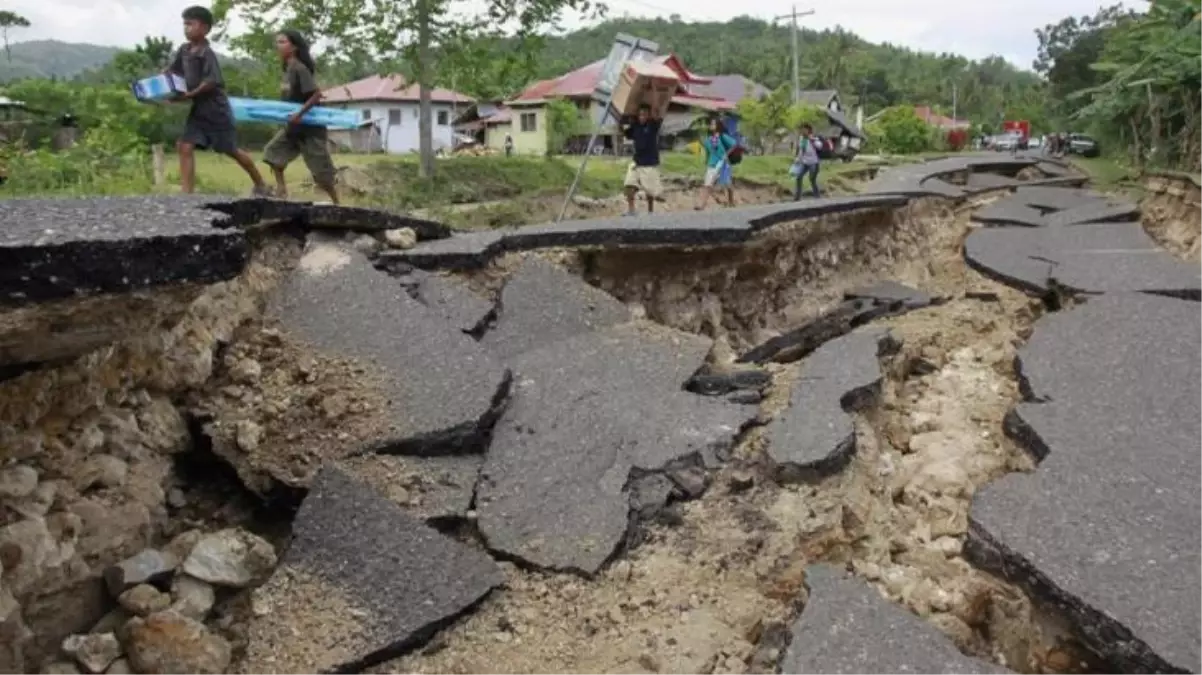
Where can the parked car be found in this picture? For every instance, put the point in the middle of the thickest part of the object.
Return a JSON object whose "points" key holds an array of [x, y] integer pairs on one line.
{"points": [[1009, 142], [1086, 146]]}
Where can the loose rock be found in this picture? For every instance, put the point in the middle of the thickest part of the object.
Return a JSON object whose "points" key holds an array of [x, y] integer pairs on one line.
{"points": [[146, 567], [403, 238], [120, 667], [101, 471], [232, 557], [17, 481], [93, 651], [144, 599], [168, 642], [60, 668], [193, 597]]}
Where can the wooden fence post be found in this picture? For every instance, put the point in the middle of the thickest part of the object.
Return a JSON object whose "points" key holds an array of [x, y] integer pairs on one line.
{"points": [[159, 165]]}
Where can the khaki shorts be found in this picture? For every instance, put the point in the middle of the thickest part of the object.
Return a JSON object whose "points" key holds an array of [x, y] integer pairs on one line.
{"points": [[645, 178], [718, 176], [283, 148]]}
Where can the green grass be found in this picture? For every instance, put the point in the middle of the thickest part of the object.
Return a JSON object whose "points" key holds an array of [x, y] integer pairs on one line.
{"points": [[505, 185], [1104, 173]]}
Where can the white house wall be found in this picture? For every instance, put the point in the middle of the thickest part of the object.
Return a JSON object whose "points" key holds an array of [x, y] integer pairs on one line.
{"points": [[402, 138]]}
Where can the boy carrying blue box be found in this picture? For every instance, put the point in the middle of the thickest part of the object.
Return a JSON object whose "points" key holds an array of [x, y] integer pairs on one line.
{"points": [[210, 122]]}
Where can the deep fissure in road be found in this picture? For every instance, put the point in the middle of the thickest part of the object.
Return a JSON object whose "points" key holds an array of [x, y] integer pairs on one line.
{"points": [[213, 434]]}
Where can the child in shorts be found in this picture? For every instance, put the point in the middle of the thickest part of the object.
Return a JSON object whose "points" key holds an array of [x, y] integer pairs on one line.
{"points": [[210, 122]]}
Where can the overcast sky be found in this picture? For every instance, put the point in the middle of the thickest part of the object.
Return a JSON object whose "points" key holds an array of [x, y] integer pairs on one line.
{"points": [[974, 28]]}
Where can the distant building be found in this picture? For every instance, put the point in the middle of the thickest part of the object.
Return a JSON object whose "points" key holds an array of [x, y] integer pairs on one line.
{"points": [[936, 120], [827, 99], [734, 88], [524, 116], [389, 109]]}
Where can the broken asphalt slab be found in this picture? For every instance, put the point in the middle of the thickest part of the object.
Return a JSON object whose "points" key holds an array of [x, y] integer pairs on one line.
{"points": [[542, 303], [255, 211], [380, 580], [1093, 258], [682, 228], [436, 489], [1009, 211], [860, 306], [815, 436], [65, 248], [441, 386], [926, 178], [1055, 199], [449, 298], [1107, 526], [584, 413], [887, 291], [847, 627]]}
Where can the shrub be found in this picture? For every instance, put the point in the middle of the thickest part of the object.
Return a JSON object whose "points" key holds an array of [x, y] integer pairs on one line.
{"points": [[956, 139], [900, 131], [106, 160]]}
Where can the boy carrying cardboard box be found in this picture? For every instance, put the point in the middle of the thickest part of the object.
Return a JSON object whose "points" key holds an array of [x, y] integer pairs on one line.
{"points": [[211, 119]]}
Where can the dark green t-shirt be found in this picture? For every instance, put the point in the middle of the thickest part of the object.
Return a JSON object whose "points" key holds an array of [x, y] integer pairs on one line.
{"points": [[298, 86], [198, 63]]}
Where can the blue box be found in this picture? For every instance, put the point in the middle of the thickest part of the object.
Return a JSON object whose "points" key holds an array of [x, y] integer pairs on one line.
{"points": [[159, 87]]}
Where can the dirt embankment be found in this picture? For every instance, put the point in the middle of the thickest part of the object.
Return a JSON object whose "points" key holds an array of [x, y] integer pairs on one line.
{"points": [[1172, 213]]}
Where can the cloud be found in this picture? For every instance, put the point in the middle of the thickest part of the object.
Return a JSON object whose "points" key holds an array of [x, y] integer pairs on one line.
{"points": [[929, 25]]}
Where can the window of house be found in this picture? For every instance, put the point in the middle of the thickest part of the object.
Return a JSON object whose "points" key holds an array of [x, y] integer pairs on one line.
{"points": [[443, 118], [529, 122], [366, 114], [394, 116]]}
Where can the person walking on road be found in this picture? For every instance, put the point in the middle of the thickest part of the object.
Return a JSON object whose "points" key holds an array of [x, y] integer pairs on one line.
{"points": [[299, 139], [807, 162], [718, 173], [210, 123], [643, 172]]}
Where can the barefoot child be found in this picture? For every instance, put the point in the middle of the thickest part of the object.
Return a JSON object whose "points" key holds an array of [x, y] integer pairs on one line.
{"points": [[298, 138], [210, 122]]}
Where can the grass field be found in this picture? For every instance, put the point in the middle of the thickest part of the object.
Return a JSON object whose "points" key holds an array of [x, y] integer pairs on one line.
{"points": [[473, 179]]}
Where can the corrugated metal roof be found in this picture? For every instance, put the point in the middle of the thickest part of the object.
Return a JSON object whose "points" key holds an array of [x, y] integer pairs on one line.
{"points": [[731, 88], [390, 88]]}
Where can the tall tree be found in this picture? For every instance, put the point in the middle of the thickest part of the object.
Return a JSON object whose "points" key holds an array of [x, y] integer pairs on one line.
{"points": [[156, 50], [1069, 48], [9, 20], [1150, 96], [410, 31]]}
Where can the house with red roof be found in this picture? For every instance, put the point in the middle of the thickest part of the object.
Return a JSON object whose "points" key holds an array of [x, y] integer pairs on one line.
{"points": [[524, 116], [389, 109], [934, 119]]}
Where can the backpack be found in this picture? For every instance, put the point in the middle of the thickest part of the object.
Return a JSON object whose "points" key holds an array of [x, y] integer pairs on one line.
{"points": [[736, 153]]}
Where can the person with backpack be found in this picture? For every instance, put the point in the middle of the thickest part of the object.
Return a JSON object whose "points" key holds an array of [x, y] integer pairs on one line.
{"points": [[718, 146], [807, 162]]}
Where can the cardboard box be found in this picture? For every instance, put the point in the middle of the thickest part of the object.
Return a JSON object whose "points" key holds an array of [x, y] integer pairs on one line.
{"points": [[652, 83], [159, 87]]}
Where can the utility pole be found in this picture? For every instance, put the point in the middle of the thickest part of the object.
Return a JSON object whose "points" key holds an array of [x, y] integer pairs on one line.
{"points": [[954, 102], [793, 16]]}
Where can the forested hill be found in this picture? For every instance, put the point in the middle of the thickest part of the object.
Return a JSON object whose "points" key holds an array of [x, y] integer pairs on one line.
{"points": [[51, 58], [885, 74]]}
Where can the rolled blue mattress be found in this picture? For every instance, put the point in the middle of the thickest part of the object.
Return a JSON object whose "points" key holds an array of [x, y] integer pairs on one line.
{"points": [[278, 112]]}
